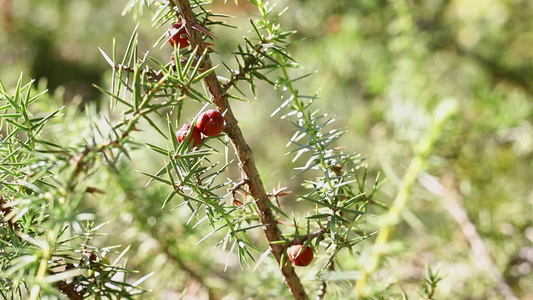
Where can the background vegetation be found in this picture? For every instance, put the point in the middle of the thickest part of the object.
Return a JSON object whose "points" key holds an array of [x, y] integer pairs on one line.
{"points": [[382, 69]]}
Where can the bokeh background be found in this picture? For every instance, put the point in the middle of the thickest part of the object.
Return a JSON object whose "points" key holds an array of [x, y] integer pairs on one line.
{"points": [[381, 67]]}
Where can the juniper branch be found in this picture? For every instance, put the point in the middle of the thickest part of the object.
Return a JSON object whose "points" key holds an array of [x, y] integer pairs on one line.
{"points": [[244, 154]]}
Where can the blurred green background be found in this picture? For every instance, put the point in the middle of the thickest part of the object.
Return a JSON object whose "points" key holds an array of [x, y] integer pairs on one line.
{"points": [[382, 66]]}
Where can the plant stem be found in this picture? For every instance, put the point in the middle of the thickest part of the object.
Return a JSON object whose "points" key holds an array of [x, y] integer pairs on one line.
{"points": [[422, 152], [244, 154], [415, 167], [42, 271], [480, 254]]}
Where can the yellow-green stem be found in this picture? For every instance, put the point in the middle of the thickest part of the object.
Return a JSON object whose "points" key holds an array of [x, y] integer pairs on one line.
{"points": [[422, 151], [41, 272], [415, 167]]}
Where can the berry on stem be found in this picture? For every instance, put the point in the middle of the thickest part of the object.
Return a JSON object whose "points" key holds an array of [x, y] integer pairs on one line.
{"points": [[177, 35], [210, 123], [195, 137], [300, 257]]}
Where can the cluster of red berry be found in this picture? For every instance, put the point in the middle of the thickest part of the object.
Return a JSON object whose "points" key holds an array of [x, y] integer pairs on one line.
{"points": [[210, 123]]}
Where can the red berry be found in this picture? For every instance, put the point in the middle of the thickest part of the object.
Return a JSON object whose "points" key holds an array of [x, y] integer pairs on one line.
{"points": [[195, 137], [177, 35], [300, 258], [210, 122]]}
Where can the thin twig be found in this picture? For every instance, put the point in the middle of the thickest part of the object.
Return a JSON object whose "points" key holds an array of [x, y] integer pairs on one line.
{"points": [[244, 154], [192, 273], [244, 70], [452, 199], [62, 286], [233, 191], [311, 235], [68, 290], [6, 210], [324, 285]]}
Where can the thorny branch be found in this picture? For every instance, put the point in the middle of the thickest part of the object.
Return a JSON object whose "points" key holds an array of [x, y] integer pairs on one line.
{"points": [[67, 289], [245, 69], [244, 154]]}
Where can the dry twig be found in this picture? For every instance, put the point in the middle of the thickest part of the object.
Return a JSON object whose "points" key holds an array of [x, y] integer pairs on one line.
{"points": [[452, 199]]}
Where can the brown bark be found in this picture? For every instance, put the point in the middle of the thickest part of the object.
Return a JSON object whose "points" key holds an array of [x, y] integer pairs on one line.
{"points": [[452, 201], [244, 154]]}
